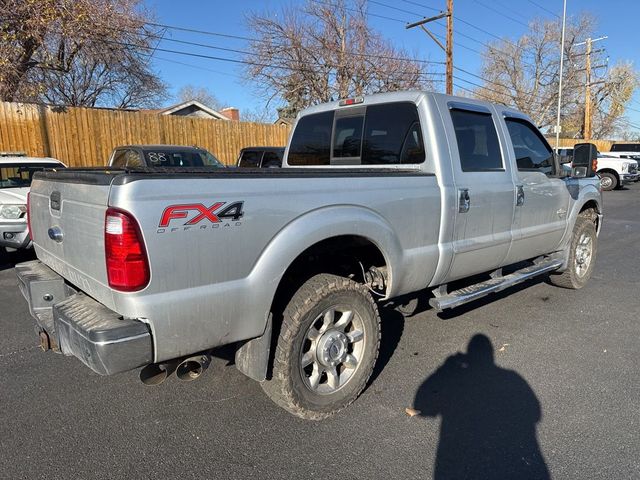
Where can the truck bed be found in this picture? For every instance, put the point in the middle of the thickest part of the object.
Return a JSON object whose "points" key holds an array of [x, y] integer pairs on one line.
{"points": [[226, 273]]}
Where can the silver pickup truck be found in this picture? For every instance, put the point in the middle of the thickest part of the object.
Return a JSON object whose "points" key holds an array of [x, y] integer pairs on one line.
{"points": [[378, 197]]}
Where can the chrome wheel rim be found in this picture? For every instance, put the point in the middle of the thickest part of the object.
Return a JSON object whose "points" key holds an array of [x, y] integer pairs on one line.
{"points": [[606, 182], [332, 350], [584, 254]]}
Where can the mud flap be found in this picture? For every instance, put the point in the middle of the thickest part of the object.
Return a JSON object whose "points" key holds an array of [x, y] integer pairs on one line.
{"points": [[252, 358]]}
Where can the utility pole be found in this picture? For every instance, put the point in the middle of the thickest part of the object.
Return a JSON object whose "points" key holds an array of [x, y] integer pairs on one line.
{"points": [[564, 19], [587, 92], [448, 49]]}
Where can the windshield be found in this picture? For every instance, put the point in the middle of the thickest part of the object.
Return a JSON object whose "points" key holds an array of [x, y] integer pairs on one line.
{"points": [[181, 158], [19, 175]]}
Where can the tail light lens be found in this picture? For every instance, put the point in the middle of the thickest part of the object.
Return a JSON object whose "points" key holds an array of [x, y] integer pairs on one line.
{"points": [[127, 263], [29, 216]]}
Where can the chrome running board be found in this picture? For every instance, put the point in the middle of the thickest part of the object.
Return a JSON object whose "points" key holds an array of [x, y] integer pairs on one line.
{"points": [[443, 300]]}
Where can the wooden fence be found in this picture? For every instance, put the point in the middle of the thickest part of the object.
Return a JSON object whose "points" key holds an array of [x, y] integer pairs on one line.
{"points": [[86, 136], [603, 145], [82, 137]]}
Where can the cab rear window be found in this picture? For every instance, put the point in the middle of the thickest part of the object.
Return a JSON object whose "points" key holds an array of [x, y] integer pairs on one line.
{"points": [[382, 134], [311, 141]]}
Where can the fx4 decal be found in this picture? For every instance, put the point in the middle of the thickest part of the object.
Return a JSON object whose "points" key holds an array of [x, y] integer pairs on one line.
{"points": [[195, 213]]}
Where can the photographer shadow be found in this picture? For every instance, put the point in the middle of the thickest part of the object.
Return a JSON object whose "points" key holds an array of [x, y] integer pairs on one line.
{"points": [[488, 418]]}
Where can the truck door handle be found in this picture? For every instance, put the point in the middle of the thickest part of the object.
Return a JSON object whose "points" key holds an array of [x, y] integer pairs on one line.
{"points": [[520, 196], [464, 201]]}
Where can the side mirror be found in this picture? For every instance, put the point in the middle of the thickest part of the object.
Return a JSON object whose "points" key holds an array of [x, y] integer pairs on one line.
{"points": [[585, 160]]}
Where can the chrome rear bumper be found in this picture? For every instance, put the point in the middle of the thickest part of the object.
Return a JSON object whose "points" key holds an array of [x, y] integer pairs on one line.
{"points": [[78, 325]]}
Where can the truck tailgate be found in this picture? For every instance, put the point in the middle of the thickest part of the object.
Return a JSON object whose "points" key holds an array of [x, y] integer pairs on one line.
{"points": [[67, 222]]}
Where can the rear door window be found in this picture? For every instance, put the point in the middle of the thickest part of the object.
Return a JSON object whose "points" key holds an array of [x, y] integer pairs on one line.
{"points": [[127, 158], [477, 141], [392, 135], [272, 159], [250, 159], [119, 159]]}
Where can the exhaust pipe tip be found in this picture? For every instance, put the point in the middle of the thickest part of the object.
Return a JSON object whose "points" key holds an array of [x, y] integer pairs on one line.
{"points": [[192, 367], [156, 373]]}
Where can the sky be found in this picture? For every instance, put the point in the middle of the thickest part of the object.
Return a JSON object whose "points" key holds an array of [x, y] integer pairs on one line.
{"points": [[616, 19]]}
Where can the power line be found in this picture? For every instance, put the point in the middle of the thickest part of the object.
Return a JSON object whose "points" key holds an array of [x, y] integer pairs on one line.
{"points": [[253, 39], [244, 52], [462, 34], [247, 62], [199, 67], [502, 5], [250, 39], [377, 2], [543, 8], [495, 10]]}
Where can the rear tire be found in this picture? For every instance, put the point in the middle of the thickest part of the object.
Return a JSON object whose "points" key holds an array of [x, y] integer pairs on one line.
{"points": [[582, 256], [327, 347], [608, 181]]}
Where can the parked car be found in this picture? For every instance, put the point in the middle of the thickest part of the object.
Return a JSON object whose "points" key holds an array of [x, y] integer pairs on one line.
{"points": [[378, 197], [162, 156], [16, 173], [614, 172], [260, 157]]}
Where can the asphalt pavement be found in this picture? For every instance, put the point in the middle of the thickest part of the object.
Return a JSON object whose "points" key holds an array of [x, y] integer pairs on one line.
{"points": [[550, 384]]}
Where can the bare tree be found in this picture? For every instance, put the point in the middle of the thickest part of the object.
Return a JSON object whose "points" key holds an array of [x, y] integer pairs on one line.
{"points": [[258, 115], [611, 99], [77, 52], [200, 94], [323, 51], [525, 73]]}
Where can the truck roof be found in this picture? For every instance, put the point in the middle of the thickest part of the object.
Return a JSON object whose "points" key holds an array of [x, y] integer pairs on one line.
{"points": [[160, 146], [414, 96]]}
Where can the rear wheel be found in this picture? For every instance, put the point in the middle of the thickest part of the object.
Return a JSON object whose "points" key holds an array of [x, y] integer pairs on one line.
{"points": [[327, 347], [582, 256], [608, 181]]}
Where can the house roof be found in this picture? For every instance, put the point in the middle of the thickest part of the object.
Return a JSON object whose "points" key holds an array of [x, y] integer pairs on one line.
{"points": [[190, 103], [285, 121]]}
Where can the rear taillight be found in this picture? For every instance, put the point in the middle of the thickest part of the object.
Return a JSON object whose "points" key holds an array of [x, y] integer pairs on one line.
{"points": [[127, 263], [29, 216]]}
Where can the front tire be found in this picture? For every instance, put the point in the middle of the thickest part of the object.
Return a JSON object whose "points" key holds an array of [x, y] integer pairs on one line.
{"points": [[582, 256], [608, 181], [327, 347]]}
